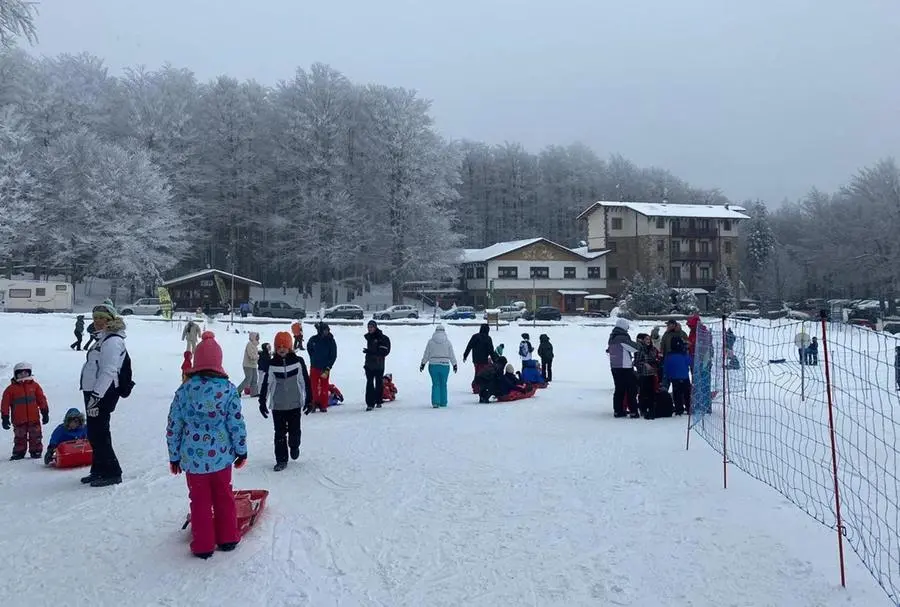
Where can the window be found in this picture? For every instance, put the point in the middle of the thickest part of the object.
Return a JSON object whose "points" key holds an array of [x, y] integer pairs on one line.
{"points": [[507, 272], [611, 273], [616, 223], [479, 272], [726, 225], [62, 288], [704, 273], [704, 246], [660, 223], [40, 292], [540, 272], [470, 272], [543, 300], [676, 246], [704, 224], [611, 245], [675, 276], [728, 271], [569, 272], [728, 247], [660, 245], [19, 293]]}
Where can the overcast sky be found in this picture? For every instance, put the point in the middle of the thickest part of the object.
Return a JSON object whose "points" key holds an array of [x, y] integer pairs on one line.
{"points": [[761, 99]]}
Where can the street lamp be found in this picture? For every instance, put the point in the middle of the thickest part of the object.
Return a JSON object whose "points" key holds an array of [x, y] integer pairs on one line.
{"points": [[533, 298]]}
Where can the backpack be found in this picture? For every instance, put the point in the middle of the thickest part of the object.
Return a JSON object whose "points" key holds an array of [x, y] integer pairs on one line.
{"points": [[125, 382]]}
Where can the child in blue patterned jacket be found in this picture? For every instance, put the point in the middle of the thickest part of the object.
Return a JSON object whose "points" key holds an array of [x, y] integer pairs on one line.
{"points": [[206, 435]]}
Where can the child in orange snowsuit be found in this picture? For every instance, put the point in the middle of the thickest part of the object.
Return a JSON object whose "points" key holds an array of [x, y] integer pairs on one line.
{"points": [[24, 400], [297, 330], [389, 392], [186, 366]]}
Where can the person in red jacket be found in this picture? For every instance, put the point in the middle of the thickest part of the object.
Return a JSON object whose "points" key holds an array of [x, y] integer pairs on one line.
{"points": [[25, 405]]}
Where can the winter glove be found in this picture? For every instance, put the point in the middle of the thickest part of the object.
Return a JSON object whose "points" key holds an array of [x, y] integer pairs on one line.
{"points": [[308, 408], [365, 350], [421, 368], [48, 456], [263, 410], [464, 359], [93, 407], [175, 467], [455, 369], [240, 460], [45, 417], [6, 422]]}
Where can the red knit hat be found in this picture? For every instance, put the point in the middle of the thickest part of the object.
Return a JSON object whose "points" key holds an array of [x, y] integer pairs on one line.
{"points": [[208, 355], [283, 339]]}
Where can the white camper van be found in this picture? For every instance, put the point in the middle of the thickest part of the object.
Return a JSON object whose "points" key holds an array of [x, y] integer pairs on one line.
{"points": [[36, 296]]}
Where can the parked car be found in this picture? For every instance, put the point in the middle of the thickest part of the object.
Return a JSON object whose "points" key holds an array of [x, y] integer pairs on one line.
{"points": [[543, 313], [395, 312], [459, 313], [862, 322], [348, 311], [148, 306], [509, 313], [277, 309]]}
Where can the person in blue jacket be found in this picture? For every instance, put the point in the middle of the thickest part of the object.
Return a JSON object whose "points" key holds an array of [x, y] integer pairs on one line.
{"points": [[677, 369], [72, 428], [322, 350]]}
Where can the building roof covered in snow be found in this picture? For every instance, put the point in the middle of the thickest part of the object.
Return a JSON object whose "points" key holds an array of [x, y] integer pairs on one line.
{"points": [[654, 209], [210, 272], [503, 248]]}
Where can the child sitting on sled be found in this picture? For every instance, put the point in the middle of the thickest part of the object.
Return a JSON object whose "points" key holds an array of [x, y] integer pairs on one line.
{"points": [[389, 391], [335, 397], [72, 428], [206, 455]]}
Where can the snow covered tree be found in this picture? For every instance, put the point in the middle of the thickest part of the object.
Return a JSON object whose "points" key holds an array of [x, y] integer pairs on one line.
{"points": [[686, 301], [723, 300], [17, 21], [760, 243], [18, 201], [646, 297]]}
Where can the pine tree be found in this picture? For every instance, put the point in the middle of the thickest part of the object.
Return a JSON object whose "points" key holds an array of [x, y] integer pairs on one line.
{"points": [[686, 301], [723, 300], [760, 242]]}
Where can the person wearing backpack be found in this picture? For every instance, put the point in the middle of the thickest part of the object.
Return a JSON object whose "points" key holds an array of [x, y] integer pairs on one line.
{"points": [[105, 377]]}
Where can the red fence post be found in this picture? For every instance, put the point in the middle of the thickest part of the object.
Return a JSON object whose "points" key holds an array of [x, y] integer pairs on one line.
{"points": [[834, 462], [724, 403]]}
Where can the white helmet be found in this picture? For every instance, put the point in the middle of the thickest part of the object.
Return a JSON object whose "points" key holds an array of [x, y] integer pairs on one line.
{"points": [[21, 367]]}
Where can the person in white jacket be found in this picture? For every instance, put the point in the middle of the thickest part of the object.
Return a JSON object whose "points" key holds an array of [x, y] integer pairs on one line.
{"points": [[251, 357], [439, 357], [99, 384], [191, 335]]}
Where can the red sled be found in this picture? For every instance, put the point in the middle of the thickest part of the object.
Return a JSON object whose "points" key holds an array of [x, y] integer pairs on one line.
{"points": [[541, 386], [517, 395], [74, 454], [250, 504]]}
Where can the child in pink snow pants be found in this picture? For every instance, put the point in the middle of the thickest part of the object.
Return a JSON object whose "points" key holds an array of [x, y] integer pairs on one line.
{"points": [[206, 435]]}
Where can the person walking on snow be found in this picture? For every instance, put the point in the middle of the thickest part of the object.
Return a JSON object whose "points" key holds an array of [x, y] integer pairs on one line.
{"points": [[801, 342], [620, 349], [100, 386], [525, 349], [545, 352], [322, 350], [25, 405], [79, 332], [378, 346], [481, 347], [439, 357], [251, 357], [191, 335], [286, 388], [206, 458]]}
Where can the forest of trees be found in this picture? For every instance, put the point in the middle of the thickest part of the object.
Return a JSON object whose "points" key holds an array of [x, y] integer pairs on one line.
{"points": [[153, 172]]}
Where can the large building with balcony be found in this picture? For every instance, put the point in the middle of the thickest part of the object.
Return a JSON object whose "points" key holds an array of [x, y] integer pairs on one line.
{"points": [[535, 269], [687, 244]]}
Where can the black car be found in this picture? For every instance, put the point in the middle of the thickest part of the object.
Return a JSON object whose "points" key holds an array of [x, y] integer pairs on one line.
{"points": [[544, 313], [277, 309]]}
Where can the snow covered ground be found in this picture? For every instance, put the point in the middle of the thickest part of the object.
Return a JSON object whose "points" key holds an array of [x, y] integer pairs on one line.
{"points": [[549, 501]]}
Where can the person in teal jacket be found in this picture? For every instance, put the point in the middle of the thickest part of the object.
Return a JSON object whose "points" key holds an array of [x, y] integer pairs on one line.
{"points": [[206, 435]]}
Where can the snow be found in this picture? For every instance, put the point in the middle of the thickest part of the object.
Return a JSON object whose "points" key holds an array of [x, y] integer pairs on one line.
{"points": [[548, 501], [225, 276], [502, 248], [652, 209], [584, 252]]}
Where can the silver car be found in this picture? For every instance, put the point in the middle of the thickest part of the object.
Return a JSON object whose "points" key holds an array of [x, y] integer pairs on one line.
{"points": [[395, 312], [148, 306]]}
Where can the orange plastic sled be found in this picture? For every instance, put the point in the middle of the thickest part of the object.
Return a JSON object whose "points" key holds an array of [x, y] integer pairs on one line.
{"points": [[74, 454], [250, 504], [516, 395]]}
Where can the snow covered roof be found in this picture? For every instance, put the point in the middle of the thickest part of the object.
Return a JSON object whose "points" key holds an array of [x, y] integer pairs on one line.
{"points": [[567, 292], [598, 296], [654, 209], [201, 273], [502, 248]]}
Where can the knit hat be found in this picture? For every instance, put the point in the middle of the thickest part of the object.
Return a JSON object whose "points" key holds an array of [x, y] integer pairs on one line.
{"points": [[284, 340], [622, 323], [509, 369], [208, 355], [525, 336], [105, 310], [372, 323]]}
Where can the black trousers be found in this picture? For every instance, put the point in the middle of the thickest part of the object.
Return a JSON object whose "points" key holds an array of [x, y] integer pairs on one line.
{"points": [[105, 463], [287, 432], [374, 387], [647, 389], [626, 391], [681, 395], [77, 343], [547, 370], [91, 339]]}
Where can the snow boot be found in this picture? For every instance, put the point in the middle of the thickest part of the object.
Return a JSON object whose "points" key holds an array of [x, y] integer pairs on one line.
{"points": [[444, 406], [87, 480], [369, 408], [16, 456], [619, 414], [295, 452], [434, 406], [378, 405], [228, 546], [36, 454], [635, 415], [279, 466], [106, 481], [203, 555]]}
